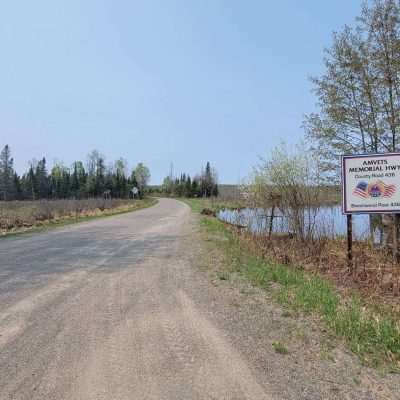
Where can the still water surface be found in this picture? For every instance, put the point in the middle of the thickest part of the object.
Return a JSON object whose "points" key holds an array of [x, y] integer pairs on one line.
{"points": [[329, 221]]}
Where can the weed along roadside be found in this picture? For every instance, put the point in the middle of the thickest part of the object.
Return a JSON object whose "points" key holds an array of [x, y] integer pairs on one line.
{"points": [[19, 217], [372, 331]]}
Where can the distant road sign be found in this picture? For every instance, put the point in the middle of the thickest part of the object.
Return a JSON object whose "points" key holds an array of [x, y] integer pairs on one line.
{"points": [[371, 183]]}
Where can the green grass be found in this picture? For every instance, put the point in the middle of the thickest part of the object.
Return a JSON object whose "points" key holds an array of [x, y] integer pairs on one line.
{"points": [[280, 348], [371, 333], [64, 221], [196, 205], [213, 204]]}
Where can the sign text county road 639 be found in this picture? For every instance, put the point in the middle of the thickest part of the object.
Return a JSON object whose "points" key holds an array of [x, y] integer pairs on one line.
{"points": [[371, 183]]}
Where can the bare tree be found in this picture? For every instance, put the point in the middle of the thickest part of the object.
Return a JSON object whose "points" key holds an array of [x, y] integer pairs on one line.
{"points": [[291, 181], [359, 93]]}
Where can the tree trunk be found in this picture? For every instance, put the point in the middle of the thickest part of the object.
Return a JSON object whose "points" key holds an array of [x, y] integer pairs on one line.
{"points": [[271, 221]]}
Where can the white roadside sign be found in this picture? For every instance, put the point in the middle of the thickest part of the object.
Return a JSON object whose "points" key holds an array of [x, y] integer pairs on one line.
{"points": [[371, 183]]}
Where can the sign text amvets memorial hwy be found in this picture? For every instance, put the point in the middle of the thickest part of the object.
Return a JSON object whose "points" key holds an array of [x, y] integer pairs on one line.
{"points": [[371, 183]]}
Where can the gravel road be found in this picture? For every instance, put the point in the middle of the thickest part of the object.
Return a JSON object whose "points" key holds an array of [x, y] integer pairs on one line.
{"points": [[133, 307], [109, 309]]}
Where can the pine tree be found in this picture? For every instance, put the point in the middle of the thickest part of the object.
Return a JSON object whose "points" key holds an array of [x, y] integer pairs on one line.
{"points": [[206, 181], [188, 187], [78, 180], [75, 186], [100, 176], [7, 187], [63, 182], [29, 184], [18, 187], [195, 188], [42, 180]]}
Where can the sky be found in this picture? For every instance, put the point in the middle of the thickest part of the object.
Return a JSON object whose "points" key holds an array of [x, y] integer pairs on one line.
{"points": [[161, 81]]}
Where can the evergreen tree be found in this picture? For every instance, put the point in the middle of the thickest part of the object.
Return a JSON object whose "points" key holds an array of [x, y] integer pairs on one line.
{"points": [[188, 187], [18, 187], [100, 176], [42, 180], [195, 187], [209, 186], [7, 187], [60, 181], [29, 184], [204, 185], [92, 179], [78, 180], [74, 182]]}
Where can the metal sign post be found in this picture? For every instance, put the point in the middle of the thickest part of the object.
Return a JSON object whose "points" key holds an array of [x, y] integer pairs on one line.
{"points": [[396, 254], [349, 243]]}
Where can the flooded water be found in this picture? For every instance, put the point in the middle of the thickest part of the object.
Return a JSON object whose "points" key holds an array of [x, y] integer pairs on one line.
{"points": [[329, 221]]}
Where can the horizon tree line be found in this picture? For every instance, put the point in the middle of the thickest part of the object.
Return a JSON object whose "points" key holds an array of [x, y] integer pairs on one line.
{"points": [[204, 184], [82, 180]]}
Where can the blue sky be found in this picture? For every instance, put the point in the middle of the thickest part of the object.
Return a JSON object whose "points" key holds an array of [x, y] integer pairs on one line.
{"points": [[161, 81]]}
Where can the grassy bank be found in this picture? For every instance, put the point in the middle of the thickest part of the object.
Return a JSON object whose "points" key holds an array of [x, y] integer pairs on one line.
{"points": [[21, 217], [375, 274], [373, 333], [213, 203]]}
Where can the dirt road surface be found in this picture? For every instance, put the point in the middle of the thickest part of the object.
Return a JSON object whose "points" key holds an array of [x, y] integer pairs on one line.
{"points": [[125, 307], [105, 310]]}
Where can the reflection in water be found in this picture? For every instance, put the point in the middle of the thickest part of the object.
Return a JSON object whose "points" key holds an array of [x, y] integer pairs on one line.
{"points": [[329, 221]]}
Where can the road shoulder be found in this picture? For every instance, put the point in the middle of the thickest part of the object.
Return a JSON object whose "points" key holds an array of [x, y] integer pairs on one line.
{"points": [[61, 222], [289, 350]]}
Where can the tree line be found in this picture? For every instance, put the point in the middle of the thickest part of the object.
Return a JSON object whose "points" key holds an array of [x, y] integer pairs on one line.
{"points": [[204, 184], [82, 180]]}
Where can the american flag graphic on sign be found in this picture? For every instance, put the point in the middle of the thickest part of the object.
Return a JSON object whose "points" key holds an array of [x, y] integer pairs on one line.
{"points": [[389, 190], [374, 190], [361, 190]]}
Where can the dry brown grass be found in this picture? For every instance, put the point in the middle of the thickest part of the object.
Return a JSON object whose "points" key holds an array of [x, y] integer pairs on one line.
{"points": [[375, 274], [20, 215], [370, 329]]}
